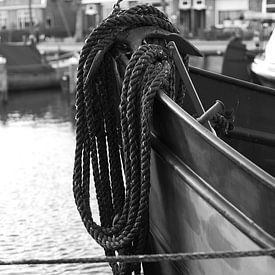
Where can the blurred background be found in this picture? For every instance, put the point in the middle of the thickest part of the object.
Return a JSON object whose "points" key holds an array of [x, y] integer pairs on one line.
{"points": [[204, 19], [40, 42]]}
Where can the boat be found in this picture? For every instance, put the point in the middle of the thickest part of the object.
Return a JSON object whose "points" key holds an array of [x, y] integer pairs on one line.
{"points": [[254, 133], [263, 66], [208, 193], [26, 69], [65, 67], [61, 63]]}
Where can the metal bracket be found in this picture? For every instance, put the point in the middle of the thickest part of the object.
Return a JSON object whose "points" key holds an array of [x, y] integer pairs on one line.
{"points": [[134, 37], [188, 82]]}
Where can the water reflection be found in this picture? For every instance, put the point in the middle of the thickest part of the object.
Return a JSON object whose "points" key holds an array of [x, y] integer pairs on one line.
{"points": [[43, 106], [38, 214]]}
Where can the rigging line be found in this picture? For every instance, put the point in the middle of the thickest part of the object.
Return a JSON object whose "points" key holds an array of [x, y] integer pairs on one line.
{"points": [[146, 258]]}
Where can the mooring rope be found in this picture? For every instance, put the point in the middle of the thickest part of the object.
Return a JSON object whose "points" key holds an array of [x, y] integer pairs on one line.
{"points": [[146, 258], [114, 104], [118, 144]]}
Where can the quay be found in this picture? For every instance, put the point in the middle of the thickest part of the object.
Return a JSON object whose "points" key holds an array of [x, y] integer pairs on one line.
{"points": [[203, 45], [61, 68]]}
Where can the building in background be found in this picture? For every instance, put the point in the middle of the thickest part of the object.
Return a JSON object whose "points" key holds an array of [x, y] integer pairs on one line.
{"points": [[192, 17], [95, 10], [63, 18], [196, 16], [19, 18], [268, 6]]}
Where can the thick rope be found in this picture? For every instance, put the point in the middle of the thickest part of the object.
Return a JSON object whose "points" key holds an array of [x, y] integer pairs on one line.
{"points": [[147, 258], [118, 146]]}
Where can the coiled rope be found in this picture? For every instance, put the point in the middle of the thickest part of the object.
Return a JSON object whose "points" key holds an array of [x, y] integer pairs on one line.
{"points": [[108, 140], [118, 146]]}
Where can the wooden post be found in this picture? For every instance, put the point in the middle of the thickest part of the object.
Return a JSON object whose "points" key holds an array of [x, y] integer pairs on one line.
{"points": [[4, 80], [72, 72], [30, 17], [163, 3], [78, 36], [193, 21]]}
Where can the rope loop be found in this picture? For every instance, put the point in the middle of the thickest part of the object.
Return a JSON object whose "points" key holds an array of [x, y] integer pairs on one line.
{"points": [[147, 258], [116, 87]]}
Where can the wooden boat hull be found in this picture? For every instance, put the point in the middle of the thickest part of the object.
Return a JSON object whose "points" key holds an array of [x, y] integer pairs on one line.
{"points": [[26, 81], [27, 69], [205, 197]]}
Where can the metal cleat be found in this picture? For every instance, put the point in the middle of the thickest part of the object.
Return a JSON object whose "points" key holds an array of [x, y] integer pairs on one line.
{"points": [[218, 107]]}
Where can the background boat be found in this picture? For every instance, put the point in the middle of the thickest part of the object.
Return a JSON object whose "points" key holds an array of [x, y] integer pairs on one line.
{"points": [[26, 68], [263, 66]]}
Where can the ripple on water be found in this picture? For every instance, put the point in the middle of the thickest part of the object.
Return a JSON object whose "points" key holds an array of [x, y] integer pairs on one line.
{"points": [[38, 214]]}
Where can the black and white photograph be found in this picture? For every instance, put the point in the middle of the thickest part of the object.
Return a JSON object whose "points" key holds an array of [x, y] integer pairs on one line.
{"points": [[137, 137]]}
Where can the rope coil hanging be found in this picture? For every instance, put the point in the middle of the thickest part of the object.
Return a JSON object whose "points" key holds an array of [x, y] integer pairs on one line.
{"points": [[118, 143]]}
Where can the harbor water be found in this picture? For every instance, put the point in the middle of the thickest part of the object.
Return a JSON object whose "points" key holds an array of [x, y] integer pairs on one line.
{"points": [[39, 218]]}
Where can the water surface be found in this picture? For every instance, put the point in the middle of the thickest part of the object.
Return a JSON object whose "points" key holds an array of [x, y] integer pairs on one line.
{"points": [[39, 218]]}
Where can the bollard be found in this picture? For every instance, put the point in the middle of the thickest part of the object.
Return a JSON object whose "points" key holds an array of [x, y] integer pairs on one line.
{"points": [[208, 115], [3, 80], [64, 81]]}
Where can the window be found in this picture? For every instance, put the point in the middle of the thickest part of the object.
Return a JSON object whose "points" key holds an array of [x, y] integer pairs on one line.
{"points": [[3, 19], [229, 15], [23, 19], [184, 5], [270, 5]]}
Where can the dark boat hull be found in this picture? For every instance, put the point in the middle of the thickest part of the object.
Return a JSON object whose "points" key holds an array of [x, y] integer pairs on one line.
{"points": [[206, 197], [26, 68], [254, 133], [32, 78]]}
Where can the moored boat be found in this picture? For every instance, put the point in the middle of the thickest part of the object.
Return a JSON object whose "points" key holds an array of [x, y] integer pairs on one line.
{"points": [[208, 195], [263, 66], [205, 196], [26, 69]]}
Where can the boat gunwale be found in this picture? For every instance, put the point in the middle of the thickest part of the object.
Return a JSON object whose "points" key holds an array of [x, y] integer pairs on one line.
{"points": [[236, 157], [205, 190], [232, 80]]}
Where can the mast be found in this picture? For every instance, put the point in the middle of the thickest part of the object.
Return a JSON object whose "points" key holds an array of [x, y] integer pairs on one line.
{"points": [[163, 4], [63, 17], [78, 21], [30, 17]]}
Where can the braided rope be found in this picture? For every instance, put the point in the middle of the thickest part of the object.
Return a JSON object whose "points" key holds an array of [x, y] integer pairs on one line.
{"points": [[118, 147], [147, 258]]}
